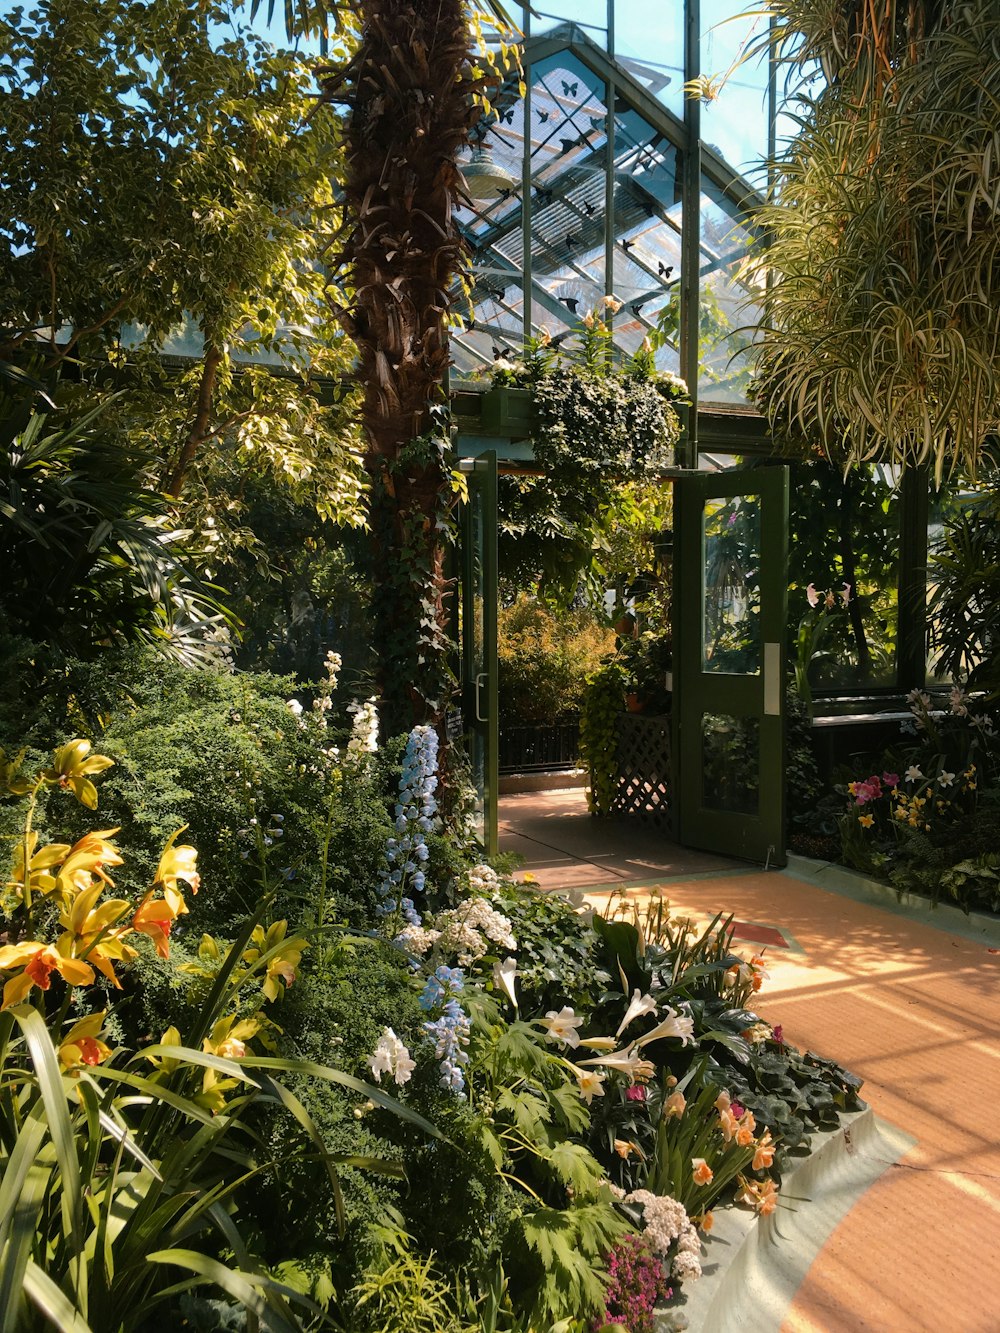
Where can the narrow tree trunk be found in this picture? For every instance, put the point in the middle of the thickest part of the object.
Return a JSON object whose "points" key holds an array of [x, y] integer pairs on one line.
{"points": [[199, 426]]}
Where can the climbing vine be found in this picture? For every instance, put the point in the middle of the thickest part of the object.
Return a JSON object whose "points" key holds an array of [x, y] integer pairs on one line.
{"points": [[413, 501], [602, 702]]}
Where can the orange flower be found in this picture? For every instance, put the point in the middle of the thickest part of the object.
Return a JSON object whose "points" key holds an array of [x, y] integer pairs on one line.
{"points": [[39, 962], [707, 1222], [723, 1102], [674, 1105], [729, 1125], [762, 1195], [154, 918], [744, 1136], [701, 1172], [764, 1152], [82, 1045]]}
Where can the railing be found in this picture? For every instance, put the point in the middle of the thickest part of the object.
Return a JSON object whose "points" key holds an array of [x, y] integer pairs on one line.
{"points": [[539, 749]]}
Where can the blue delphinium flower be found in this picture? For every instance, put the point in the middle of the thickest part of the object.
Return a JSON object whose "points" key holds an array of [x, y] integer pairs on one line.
{"points": [[450, 1034], [415, 814]]}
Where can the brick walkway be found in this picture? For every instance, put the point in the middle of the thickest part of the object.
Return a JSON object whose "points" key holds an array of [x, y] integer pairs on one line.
{"points": [[913, 1009]]}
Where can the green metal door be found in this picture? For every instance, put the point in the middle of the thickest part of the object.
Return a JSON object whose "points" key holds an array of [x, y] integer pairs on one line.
{"points": [[479, 638], [731, 555]]}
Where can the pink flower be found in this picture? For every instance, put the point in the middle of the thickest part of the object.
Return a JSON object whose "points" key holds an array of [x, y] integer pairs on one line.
{"points": [[812, 595], [635, 1092], [736, 1109], [778, 1033], [891, 779], [846, 594]]}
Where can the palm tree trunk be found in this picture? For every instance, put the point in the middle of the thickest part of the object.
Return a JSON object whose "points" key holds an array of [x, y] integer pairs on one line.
{"points": [[411, 112]]}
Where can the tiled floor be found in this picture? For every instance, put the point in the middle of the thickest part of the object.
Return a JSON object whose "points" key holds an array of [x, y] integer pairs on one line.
{"points": [[913, 1009]]}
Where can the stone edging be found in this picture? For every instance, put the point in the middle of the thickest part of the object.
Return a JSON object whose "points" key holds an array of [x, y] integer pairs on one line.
{"points": [[840, 879], [754, 1265]]}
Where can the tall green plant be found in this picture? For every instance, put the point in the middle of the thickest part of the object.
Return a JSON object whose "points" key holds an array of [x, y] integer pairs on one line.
{"points": [[880, 274]]}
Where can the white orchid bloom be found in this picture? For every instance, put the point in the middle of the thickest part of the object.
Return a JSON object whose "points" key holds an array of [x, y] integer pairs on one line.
{"points": [[638, 1005]]}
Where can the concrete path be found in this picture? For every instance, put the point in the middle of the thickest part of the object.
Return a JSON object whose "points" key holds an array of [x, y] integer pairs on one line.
{"points": [[912, 1008]]}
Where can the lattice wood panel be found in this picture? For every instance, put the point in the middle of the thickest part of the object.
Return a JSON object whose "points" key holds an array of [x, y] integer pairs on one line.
{"points": [[643, 767]]}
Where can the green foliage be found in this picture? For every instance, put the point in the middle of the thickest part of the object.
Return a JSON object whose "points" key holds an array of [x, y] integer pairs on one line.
{"points": [[599, 425], [878, 279], [602, 703], [218, 752], [545, 656], [965, 600], [556, 955], [931, 824], [92, 555]]}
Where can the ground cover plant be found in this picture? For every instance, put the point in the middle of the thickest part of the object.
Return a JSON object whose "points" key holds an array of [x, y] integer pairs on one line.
{"points": [[523, 1115]]}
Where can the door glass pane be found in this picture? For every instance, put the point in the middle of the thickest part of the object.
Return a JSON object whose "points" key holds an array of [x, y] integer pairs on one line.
{"points": [[475, 647], [730, 763], [731, 633]]}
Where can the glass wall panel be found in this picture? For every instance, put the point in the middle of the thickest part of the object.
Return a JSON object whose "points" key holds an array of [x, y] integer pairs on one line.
{"points": [[728, 313], [649, 45], [843, 566], [647, 229], [590, 15], [735, 124], [568, 174]]}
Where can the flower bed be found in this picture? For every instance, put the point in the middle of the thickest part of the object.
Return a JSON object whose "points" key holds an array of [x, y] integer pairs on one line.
{"points": [[524, 1117]]}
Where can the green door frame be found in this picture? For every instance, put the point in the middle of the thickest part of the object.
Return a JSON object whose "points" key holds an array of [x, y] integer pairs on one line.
{"points": [[753, 827], [480, 698]]}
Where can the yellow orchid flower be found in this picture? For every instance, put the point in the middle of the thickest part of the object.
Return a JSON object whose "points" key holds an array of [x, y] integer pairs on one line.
{"points": [[96, 934], [71, 765], [165, 1064], [227, 1040], [228, 1037], [37, 878], [282, 968], [82, 1044], [39, 961], [177, 863], [85, 861]]}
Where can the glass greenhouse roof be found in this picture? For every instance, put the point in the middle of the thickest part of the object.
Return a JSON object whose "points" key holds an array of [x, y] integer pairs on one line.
{"points": [[600, 146]]}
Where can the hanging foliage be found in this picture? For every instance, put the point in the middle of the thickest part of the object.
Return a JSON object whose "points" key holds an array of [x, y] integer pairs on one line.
{"points": [[880, 280]]}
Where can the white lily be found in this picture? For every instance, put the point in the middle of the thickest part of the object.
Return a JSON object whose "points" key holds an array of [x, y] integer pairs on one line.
{"points": [[638, 1005], [504, 975], [562, 1026], [627, 1062], [673, 1025]]}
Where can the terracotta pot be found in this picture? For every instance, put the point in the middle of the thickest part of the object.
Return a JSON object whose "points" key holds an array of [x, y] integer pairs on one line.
{"points": [[633, 703]]}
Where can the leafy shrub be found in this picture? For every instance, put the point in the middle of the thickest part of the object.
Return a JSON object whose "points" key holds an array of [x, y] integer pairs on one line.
{"points": [[545, 657]]}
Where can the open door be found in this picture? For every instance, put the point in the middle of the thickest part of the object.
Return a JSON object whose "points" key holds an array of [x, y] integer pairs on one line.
{"points": [[730, 589], [479, 638]]}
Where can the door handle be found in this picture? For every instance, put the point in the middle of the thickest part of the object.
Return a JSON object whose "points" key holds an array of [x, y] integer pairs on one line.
{"points": [[479, 685]]}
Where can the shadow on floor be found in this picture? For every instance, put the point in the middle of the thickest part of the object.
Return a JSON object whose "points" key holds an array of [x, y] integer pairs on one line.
{"points": [[564, 847]]}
